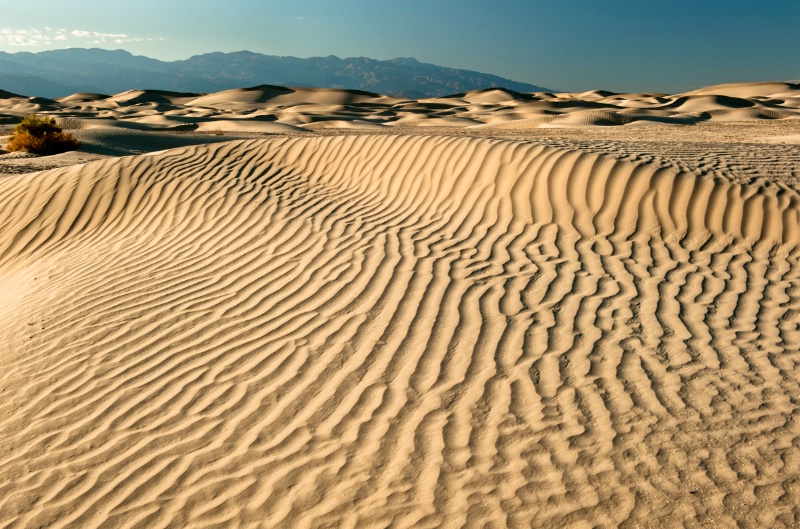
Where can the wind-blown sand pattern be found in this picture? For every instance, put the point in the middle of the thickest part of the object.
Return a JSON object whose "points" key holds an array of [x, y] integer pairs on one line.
{"points": [[398, 331]]}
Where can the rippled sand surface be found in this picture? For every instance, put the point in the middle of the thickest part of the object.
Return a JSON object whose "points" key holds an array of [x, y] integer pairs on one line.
{"points": [[413, 330]]}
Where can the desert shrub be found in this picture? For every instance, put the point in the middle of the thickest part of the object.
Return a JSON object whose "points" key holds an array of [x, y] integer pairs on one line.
{"points": [[47, 143], [40, 136]]}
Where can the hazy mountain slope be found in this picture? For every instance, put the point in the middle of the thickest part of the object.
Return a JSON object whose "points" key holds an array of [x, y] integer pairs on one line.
{"points": [[66, 71]]}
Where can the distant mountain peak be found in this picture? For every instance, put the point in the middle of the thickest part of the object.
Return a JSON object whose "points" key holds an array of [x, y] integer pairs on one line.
{"points": [[60, 73], [405, 60]]}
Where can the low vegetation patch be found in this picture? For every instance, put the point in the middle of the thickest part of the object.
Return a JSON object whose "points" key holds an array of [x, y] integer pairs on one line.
{"points": [[40, 136]]}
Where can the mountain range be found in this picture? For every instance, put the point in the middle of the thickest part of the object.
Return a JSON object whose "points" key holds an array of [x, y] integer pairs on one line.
{"points": [[59, 73]]}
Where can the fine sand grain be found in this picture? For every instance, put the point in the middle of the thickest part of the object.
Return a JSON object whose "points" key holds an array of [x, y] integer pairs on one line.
{"points": [[427, 329]]}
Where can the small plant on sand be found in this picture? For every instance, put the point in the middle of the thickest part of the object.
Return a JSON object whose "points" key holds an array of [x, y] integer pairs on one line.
{"points": [[40, 136], [218, 132]]}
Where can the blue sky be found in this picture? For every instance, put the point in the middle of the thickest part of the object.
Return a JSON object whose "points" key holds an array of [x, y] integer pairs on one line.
{"points": [[620, 45]]}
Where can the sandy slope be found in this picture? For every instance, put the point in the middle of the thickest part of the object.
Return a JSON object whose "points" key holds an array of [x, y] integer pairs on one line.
{"points": [[404, 331]]}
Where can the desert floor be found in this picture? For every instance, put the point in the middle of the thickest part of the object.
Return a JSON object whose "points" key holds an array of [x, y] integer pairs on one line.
{"points": [[325, 308]]}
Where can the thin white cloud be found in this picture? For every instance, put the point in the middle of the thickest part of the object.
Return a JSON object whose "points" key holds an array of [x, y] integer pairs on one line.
{"points": [[33, 37], [100, 38], [97, 35], [23, 37]]}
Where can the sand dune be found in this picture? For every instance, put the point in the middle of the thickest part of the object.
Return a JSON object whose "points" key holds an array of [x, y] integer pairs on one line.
{"points": [[380, 313], [404, 331], [349, 109], [750, 90]]}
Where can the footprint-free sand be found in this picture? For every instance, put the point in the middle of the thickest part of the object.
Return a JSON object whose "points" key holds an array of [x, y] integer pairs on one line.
{"points": [[325, 308]]}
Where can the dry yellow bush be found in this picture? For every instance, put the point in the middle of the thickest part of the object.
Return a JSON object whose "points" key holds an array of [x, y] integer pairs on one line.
{"points": [[40, 136]]}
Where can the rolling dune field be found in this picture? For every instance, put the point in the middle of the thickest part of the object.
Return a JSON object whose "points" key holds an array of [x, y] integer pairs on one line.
{"points": [[404, 330], [285, 110]]}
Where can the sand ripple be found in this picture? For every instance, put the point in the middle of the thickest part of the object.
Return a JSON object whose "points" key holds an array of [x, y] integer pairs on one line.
{"points": [[401, 331]]}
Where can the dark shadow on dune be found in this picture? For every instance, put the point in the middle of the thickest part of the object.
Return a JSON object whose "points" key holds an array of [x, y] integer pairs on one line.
{"points": [[725, 101], [125, 142]]}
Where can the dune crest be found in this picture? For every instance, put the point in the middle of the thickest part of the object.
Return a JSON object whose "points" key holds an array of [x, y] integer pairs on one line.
{"points": [[413, 331]]}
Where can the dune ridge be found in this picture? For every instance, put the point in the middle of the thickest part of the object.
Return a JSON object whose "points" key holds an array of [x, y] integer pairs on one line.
{"points": [[364, 331]]}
